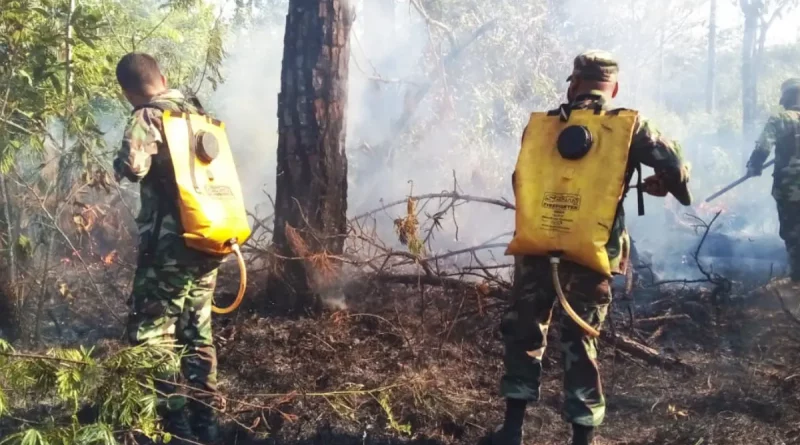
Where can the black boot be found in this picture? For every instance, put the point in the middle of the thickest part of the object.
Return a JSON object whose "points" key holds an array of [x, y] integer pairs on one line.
{"points": [[204, 424], [510, 433], [582, 435], [503, 436], [176, 423]]}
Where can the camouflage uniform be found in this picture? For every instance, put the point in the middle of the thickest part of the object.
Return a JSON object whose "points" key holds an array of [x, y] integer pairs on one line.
{"points": [[782, 133], [525, 325], [173, 284]]}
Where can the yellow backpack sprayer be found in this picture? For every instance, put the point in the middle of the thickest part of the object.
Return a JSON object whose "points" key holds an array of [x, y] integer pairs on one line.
{"points": [[210, 197], [569, 180]]}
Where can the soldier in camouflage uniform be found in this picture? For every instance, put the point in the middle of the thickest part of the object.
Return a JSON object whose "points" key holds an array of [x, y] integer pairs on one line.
{"points": [[782, 133], [173, 284], [524, 326]]}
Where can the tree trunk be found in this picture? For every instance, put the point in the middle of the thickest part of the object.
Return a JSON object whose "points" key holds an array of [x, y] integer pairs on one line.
{"points": [[9, 296], [311, 193], [712, 58], [752, 12]]}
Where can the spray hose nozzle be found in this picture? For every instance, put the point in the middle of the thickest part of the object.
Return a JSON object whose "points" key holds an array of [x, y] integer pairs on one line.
{"points": [[242, 280]]}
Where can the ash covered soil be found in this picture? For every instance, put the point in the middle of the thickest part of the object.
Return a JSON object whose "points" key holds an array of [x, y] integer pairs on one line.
{"points": [[386, 371]]}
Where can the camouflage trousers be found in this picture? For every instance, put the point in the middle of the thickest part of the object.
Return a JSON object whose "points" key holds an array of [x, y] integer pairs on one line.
{"points": [[789, 218], [172, 305], [525, 325]]}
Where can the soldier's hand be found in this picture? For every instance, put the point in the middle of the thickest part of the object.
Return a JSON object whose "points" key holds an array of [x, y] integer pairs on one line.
{"points": [[654, 185], [753, 170]]}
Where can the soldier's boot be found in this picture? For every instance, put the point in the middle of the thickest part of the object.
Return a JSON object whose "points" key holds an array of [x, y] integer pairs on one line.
{"points": [[176, 423], [205, 424], [510, 432], [503, 436], [582, 435]]}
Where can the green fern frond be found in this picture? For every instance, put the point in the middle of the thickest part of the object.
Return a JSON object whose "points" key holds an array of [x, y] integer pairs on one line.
{"points": [[4, 409], [96, 434], [5, 347], [27, 437]]}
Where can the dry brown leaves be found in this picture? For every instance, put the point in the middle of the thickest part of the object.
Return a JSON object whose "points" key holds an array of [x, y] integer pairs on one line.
{"points": [[407, 229], [320, 265]]}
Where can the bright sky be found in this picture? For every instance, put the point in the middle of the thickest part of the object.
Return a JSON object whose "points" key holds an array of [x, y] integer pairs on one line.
{"points": [[785, 30]]}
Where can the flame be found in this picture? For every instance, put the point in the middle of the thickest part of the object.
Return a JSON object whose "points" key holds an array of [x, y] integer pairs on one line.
{"points": [[109, 259]]}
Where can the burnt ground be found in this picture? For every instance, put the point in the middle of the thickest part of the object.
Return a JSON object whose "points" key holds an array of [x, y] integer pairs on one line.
{"points": [[384, 371]]}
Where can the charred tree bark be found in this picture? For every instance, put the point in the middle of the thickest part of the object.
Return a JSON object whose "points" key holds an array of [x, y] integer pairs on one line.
{"points": [[311, 194]]}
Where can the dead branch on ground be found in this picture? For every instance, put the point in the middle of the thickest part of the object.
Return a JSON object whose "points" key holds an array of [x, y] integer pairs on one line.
{"points": [[645, 353]]}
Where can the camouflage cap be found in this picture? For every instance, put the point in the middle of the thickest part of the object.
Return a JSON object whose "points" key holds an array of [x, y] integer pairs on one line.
{"points": [[790, 84], [595, 65]]}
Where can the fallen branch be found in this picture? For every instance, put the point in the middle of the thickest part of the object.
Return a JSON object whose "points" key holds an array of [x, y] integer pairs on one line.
{"points": [[413, 280], [663, 318], [645, 353], [430, 280], [445, 195], [458, 252]]}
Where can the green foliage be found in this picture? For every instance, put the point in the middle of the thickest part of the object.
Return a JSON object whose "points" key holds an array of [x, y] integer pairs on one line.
{"points": [[383, 401], [59, 97], [184, 35], [28, 437], [24, 247], [120, 385]]}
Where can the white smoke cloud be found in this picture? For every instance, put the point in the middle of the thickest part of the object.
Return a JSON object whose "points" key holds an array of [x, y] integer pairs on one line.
{"points": [[452, 140]]}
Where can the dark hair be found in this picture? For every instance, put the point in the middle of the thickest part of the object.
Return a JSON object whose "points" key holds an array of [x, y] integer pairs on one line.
{"points": [[790, 98], [135, 71]]}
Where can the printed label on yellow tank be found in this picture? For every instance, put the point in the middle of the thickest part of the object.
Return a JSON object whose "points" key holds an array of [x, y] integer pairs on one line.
{"points": [[209, 193], [562, 205], [565, 205]]}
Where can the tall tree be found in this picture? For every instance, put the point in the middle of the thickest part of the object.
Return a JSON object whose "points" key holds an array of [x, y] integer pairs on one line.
{"points": [[759, 16], [712, 57], [311, 195]]}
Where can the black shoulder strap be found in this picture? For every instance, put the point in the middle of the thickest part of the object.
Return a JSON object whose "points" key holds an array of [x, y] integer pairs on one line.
{"points": [[639, 189], [196, 103], [563, 112], [637, 168], [154, 105]]}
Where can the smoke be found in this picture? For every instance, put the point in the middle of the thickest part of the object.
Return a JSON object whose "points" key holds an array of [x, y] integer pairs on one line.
{"points": [[248, 104], [426, 114]]}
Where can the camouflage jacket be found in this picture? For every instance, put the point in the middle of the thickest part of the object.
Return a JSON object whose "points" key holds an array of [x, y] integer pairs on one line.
{"points": [[144, 158], [650, 148], [782, 134]]}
